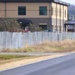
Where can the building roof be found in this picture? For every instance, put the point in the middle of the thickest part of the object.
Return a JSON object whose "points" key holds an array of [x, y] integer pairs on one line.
{"points": [[70, 23], [26, 0], [56, 1], [61, 2]]}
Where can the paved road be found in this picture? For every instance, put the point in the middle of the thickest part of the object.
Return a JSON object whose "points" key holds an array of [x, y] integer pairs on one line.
{"points": [[64, 65]]}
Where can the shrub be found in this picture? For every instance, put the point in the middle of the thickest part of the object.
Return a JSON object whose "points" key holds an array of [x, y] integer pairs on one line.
{"points": [[9, 24], [33, 27]]}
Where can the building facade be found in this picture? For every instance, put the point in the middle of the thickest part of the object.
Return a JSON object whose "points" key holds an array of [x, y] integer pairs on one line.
{"points": [[47, 14]]}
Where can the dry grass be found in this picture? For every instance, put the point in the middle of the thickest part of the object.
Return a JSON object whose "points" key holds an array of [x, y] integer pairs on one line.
{"points": [[5, 58], [61, 46]]}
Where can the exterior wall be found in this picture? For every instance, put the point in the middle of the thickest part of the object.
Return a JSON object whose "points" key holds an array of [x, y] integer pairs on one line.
{"points": [[66, 8], [59, 26], [2, 10], [40, 21], [55, 20], [32, 10], [54, 9], [58, 16]]}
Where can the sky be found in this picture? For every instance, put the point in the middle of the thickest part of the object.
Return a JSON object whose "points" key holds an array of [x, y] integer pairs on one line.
{"points": [[69, 1]]}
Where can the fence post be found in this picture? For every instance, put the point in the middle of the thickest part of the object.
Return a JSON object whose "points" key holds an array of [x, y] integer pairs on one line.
{"points": [[57, 36]]}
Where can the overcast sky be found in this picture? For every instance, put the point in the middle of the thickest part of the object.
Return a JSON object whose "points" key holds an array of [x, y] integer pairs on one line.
{"points": [[69, 1]]}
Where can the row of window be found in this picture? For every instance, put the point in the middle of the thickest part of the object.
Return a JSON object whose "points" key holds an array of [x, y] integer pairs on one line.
{"points": [[42, 11], [58, 12], [22, 10]]}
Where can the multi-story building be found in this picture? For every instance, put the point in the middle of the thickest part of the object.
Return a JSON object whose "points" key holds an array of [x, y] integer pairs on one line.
{"points": [[48, 14]]}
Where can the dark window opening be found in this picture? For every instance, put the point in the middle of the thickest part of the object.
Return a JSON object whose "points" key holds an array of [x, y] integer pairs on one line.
{"points": [[21, 10], [57, 11], [60, 12], [43, 10], [24, 22], [43, 27], [23, 25], [52, 11]]}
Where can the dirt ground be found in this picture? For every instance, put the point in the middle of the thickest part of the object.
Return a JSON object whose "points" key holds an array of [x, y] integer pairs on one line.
{"points": [[22, 62]]}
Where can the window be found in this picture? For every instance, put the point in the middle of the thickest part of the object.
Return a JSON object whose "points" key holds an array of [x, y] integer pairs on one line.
{"points": [[43, 27], [52, 11], [57, 11], [21, 10], [60, 12], [43, 10], [65, 14]]}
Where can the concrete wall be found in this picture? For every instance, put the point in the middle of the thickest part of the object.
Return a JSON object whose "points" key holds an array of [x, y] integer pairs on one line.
{"points": [[17, 40]]}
